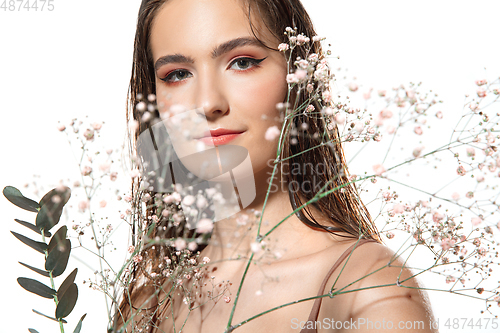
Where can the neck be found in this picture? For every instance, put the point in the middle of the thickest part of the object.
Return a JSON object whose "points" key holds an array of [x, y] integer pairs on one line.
{"points": [[238, 235]]}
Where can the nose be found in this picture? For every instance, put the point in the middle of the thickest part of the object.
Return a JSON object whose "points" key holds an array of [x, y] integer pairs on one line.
{"points": [[211, 96]]}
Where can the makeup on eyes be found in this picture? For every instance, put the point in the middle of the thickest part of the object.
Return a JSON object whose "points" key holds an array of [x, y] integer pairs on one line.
{"points": [[254, 63]]}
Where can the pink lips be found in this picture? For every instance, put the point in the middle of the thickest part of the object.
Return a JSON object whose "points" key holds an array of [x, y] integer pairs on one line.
{"points": [[219, 136]]}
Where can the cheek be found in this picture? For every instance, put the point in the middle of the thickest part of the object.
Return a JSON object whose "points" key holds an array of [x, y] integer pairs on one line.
{"points": [[259, 97], [163, 99]]}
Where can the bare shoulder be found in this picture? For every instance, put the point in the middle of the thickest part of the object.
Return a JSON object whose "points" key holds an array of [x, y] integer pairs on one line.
{"points": [[373, 285]]}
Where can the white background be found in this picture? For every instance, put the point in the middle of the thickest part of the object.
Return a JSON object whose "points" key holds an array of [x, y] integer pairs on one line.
{"points": [[76, 61]]}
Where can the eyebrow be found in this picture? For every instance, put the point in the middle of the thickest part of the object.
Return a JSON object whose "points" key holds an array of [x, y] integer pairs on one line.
{"points": [[217, 52]]}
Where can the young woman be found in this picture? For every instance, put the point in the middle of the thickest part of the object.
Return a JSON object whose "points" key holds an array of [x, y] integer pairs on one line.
{"points": [[220, 59]]}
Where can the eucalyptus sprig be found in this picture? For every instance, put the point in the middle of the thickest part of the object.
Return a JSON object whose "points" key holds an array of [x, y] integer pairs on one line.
{"points": [[56, 252]]}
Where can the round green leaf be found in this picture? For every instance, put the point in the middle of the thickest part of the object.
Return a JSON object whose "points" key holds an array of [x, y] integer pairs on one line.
{"points": [[33, 227], [36, 287], [59, 237], [48, 317], [79, 325], [52, 205], [14, 195], [64, 193], [58, 258], [67, 301], [48, 217], [67, 282], [39, 246], [39, 271]]}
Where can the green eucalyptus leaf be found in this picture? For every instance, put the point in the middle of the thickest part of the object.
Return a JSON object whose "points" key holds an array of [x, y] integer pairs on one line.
{"points": [[52, 318], [47, 218], [59, 237], [39, 271], [32, 330], [52, 205], [67, 301], [36, 287], [39, 246], [33, 227], [15, 196], [67, 282], [58, 258], [64, 193], [79, 325]]}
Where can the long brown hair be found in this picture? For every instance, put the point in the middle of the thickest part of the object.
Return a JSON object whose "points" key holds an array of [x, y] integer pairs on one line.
{"points": [[343, 207]]}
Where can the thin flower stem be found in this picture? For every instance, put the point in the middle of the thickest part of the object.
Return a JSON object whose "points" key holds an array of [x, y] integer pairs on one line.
{"points": [[100, 256], [229, 328], [428, 193]]}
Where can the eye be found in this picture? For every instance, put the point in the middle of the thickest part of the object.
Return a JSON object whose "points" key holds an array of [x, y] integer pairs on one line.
{"points": [[242, 64], [177, 76]]}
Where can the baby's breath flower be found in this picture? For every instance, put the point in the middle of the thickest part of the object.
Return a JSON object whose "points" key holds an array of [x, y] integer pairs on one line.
{"points": [[283, 47], [97, 126], [141, 107], [105, 166], [147, 116], [476, 221], [282, 106], [379, 169], [302, 39], [88, 134], [83, 205], [204, 226], [188, 200], [192, 246], [272, 133], [201, 202], [133, 125], [450, 279], [353, 86], [326, 95], [180, 244]]}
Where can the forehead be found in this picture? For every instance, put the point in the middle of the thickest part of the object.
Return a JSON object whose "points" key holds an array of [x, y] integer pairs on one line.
{"points": [[181, 25]]}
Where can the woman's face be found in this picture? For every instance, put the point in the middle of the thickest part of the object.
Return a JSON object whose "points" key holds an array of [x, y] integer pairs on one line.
{"points": [[210, 66]]}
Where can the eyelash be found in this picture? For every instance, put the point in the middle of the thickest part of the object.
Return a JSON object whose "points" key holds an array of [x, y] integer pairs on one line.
{"points": [[255, 63]]}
